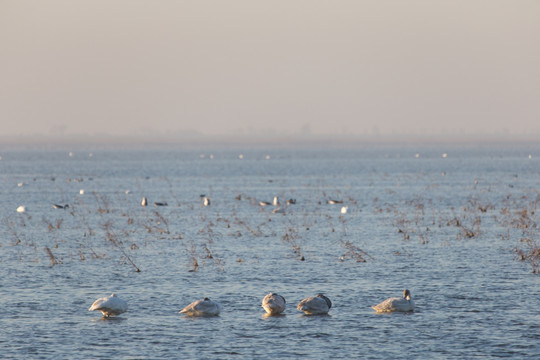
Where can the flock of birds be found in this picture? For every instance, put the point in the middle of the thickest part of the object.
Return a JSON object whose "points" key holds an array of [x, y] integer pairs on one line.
{"points": [[273, 304], [205, 201]]}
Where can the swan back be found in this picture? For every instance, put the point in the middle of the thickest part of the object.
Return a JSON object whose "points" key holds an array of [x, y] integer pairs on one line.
{"points": [[402, 304], [109, 305], [203, 307], [273, 303], [315, 305]]}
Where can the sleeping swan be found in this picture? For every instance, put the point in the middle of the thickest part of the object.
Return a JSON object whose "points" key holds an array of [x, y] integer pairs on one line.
{"points": [[273, 303], [403, 304], [204, 307], [109, 305], [315, 305]]}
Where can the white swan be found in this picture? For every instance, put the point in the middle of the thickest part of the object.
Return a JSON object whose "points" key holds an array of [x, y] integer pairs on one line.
{"points": [[204, 307], [404, 304], [109, 305], [273, 303], [315, 305]]}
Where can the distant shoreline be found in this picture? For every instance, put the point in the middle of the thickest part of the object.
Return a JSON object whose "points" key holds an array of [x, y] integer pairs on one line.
{"points": [[36, 141]]}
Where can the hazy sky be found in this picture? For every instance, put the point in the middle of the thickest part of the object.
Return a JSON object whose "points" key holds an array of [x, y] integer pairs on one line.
{"points": [[275, 67]]}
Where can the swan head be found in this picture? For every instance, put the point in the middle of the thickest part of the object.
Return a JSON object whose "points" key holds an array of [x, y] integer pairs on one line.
{"points": [[325, 299], [406, 294]]}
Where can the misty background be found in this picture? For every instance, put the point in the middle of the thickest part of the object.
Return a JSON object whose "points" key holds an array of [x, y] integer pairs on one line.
{"points": [[269, 68]]}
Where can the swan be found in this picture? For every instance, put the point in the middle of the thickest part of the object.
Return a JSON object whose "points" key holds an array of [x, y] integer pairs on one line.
{"points": [[109, 305], [204, 307], [315, 305], [403, 304], [273, 303]]}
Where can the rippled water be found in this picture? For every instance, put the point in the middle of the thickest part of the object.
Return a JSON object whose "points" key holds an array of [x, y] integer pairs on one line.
{"points": [[444, 227]]}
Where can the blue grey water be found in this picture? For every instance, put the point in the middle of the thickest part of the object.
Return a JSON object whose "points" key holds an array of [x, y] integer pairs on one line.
{"points": [[448, 228]]}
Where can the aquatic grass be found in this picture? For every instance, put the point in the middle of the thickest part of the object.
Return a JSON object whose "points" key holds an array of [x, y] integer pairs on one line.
{"points": [[354, 252], [290, 237], [127, 228], [531, 254], [112, 238], [54, 259]]}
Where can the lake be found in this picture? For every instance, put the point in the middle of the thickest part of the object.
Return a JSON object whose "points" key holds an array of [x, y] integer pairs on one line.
{"points": [[449, 222]]}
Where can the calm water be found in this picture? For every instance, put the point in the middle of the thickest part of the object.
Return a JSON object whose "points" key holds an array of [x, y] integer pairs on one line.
{"points": [[447, 228]]}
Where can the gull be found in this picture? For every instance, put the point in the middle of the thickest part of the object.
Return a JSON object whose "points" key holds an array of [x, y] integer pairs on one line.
{"points": [[264, 203], [274, 304], [21, 209], [144, 202], [203, 307], [276, 201], [160, 204], [109, 305], [315, 305], [335, 202], [403, 304], [344, 209]]}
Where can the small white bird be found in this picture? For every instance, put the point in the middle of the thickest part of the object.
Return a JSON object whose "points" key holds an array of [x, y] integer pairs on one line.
{"points": [[275, 202], [206, 201], [403, 304], [264, 203], [144, 202], [204, 307], [333, 202], [273, 303], [344, 209], [21, 209], [109, 306], [315, 305]]}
